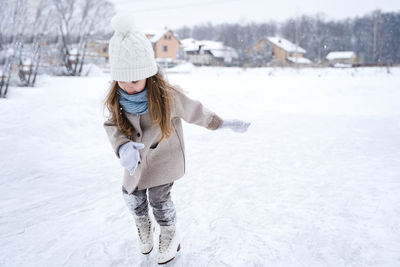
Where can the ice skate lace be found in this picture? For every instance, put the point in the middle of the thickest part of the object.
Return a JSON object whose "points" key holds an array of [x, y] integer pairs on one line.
{"points": [[165, 240], [143, 226]]}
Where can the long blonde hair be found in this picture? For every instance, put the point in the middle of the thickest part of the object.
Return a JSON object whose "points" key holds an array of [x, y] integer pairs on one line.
{"points": [[158, 96]]}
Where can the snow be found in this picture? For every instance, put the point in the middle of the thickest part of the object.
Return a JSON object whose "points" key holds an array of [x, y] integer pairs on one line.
{"points": [[92, 70], [342, 65], [73, 52], [157, 37], [286, 45], [211, 45], [227, 53], [299, 60], [27, 62], [314, 182], [190, 44], [6, 52], [100, 41], [193, 45], [340, 55], [185, 67]]}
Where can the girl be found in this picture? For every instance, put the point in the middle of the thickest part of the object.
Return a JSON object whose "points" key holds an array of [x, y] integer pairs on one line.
{"points": [[145, 131]]}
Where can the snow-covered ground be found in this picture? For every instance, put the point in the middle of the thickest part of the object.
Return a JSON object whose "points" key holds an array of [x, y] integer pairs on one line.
{"points": [[314, 182]]}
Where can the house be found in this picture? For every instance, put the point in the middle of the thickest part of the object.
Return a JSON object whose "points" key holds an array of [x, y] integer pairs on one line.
{"points": [[338, 58], [299, 60], [284, 52], [208, 52], [97, 49], [165, 44], [74, 56], [27, 66], [3, 77], [50, 57]]}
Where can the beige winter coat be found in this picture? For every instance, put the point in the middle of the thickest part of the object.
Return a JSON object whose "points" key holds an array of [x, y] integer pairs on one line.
{"points": [[164, 162]]}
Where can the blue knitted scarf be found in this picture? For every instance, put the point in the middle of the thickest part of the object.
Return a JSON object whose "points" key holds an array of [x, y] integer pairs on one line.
{"points": [[135, 104]]}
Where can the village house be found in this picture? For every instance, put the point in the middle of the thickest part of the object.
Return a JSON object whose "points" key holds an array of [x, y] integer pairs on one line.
{"points": [[208, 53], [284, 52], [49, 56], [165, 44], [342, 58], [3, 77], [97, 50]]}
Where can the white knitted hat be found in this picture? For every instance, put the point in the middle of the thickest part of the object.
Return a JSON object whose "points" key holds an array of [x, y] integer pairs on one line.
{"points": [[131, 53]]}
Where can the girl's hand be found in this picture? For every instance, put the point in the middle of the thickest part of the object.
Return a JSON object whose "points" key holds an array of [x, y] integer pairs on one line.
{"points": [[235, 125], [129, 155]]}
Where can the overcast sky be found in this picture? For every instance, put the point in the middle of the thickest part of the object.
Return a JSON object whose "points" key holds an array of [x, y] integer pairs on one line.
{"points": [[153, 14]]}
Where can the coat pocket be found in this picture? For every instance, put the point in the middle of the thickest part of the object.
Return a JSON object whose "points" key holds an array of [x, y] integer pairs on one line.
{"points": [[159, 152], [153, 146]]}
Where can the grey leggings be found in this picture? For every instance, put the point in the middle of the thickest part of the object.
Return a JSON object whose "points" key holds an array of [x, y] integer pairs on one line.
{"points": [[160, 201]]}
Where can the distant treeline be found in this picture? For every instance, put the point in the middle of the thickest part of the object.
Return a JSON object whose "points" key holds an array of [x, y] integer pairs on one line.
{"points": [[375, 37]]}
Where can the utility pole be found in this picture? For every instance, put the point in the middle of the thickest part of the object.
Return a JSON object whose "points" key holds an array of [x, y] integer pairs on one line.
{"points": [[297, 26], [376, 18]]}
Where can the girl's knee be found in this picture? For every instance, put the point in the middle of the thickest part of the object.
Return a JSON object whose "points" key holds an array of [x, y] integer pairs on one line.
{"points": [[160, 193]]}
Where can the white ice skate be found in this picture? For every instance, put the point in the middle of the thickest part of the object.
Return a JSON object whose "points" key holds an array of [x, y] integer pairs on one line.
{"points": [[145, 230], [169, 244]]}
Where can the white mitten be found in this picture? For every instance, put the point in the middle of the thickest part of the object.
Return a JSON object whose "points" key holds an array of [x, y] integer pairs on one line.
{"points": [[129, 155], [235, 125]]}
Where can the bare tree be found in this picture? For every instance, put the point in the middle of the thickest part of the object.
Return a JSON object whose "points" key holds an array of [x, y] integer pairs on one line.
{"points": [[377, 40], [258, 57], [77, 21], [12, 14], [37, 30]]}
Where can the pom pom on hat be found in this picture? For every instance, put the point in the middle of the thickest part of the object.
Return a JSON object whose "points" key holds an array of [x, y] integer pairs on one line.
{"points": [[131, 52], [123, 23]]}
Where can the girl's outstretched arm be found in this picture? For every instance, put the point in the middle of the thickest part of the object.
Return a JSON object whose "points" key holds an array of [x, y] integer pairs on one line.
{"points": [[193, 111]]}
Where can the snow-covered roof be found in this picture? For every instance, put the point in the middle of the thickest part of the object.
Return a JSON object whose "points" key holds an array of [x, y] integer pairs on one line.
{"points": [[7, 52], [73, 51], [341, 65], [217, 49], [190, 44], [286, 45], [225, 52], [101, 41], [299, 60], [211, 45], [27, 61], [340, 55], [156, 34]]}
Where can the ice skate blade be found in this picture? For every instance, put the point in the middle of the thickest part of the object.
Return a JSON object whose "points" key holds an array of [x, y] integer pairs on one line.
{"points": [[148, 252]]}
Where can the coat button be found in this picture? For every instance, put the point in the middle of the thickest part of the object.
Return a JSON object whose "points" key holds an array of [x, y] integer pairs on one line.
{"points": [[138, 134]]}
